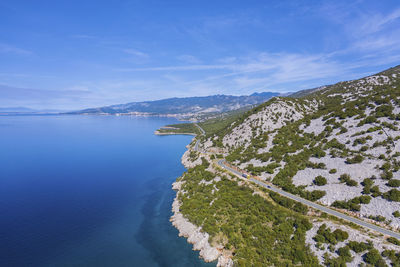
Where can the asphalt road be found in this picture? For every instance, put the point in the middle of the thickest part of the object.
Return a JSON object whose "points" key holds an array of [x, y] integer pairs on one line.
{"points": [[314, 205]]}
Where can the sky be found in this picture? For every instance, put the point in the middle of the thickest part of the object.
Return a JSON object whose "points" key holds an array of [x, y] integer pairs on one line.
{"points": [[69, 55]]}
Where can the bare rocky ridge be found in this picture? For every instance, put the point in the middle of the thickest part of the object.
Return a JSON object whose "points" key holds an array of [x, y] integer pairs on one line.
{"points": [[272, 117]]}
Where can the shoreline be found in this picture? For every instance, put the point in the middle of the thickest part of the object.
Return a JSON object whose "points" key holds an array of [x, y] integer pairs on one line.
{"points": [[173, 133], [194, 234]]}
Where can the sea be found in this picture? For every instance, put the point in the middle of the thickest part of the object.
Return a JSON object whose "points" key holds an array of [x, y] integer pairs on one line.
{"points": [[81, 190]]}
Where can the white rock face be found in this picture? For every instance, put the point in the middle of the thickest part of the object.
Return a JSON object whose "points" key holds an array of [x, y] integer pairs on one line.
{"points": [[193, 234], [316, 126], [268, 119], [354, 235], [196, 236], [187, 162], [382, 207]]}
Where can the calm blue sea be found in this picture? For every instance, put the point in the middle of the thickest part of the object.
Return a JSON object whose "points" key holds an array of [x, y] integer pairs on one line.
{"points": [[89, 191]]}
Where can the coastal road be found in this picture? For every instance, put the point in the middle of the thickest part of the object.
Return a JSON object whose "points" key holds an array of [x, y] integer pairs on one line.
{"points": [[201, 129], [222, 164], [196, 146]]}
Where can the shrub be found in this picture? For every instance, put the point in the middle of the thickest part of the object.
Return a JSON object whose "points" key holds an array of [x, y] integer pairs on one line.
{"points": [[377, 218], [315, 195], [374, 257], [392, 195], [358, 247], [351, 183], [393, 241], [387, 175], [393, 183], [332, 171], [318, 153], [344, 252], [345, 178], [353, 204], [396, 214], [386, 166], [320, 180], [375, 191], [288, 203], [393, 255], [324, 235], [367, 183], [355, 159]]}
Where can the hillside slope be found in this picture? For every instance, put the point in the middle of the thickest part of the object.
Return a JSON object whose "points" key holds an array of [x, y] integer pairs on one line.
{"points": [[346, 133], [337, 145]]}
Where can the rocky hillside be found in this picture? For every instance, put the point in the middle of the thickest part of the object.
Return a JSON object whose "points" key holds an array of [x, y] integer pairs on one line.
{"points": [[336, 144]]}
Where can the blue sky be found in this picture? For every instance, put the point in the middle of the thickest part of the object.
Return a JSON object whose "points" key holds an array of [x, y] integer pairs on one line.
{"points": [[77, 54]]}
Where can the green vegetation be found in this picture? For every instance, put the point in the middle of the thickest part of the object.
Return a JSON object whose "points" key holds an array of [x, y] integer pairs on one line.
{"points": [[367, 183], [259, 232], [396, 214], [377, 218], [392, 195], [219, 125], [394, 183], [320, 180], [359, 247], [353, 204], [374, 258], [181, 128], [393, 256], [393, 241], [332, 171], [258, 170], [355, 159], [325, 235], [288, 203], [344, 253], [345, 178], [264, 232], [375, 191]]}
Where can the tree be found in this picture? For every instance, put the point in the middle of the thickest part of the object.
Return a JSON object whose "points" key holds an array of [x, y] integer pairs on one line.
{"points": [[394, 183], [320, 180], [332, 171], [374, 257], [392, 195]]}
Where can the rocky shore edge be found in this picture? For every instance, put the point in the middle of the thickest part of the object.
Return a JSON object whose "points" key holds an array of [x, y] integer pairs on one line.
{"points": [[193, 233]]}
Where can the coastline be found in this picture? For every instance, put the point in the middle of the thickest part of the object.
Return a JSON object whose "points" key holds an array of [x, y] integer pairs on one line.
{"points": [[173, 133], [193, 233]]}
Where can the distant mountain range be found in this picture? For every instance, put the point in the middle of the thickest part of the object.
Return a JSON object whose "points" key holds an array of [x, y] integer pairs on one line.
{"points": [[16, 109], [25, 110], [185, 107]]}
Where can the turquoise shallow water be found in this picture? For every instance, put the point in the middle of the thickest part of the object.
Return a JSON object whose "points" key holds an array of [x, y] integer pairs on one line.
{"points": [[89, 191]]}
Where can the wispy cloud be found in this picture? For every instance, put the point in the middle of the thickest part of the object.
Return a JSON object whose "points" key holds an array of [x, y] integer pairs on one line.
{"points": [[135, 52], [189, 59], [175, 68], [373, 23], [6, 48], [83, 36]]}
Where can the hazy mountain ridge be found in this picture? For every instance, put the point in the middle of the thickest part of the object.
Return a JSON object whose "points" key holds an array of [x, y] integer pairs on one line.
{"points": [[184, 106]]}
